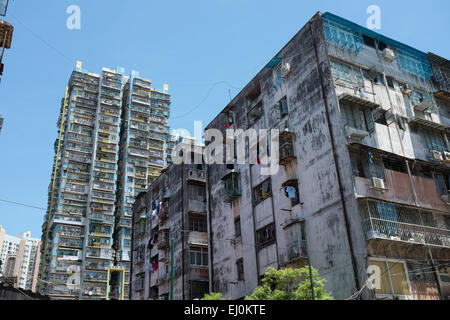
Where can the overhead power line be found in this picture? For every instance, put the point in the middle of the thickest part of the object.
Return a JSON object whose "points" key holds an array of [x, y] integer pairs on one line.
{"points": [[22, 204]]}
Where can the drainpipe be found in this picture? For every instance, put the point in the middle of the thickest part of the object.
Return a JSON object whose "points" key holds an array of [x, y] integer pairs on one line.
{"points": [[210, 234], [430, 255], [182, 231], [336, 162], [254, 225]]}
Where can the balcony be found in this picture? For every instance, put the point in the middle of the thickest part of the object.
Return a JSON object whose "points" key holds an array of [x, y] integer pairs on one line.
{"points": [[95, 276], [398, 189], [232, 186], [287, 153], [296, 251], [139, 99], [99, 253], [101, 218], [142, 83], [163, 242], [387, 222]]}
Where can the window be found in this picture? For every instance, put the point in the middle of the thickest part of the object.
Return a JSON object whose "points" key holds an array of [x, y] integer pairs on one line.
{"points": [[262, 191], [232, 185], [291, 191], [237, 227], [197, 224], [255, 114], [367, 165], [254, 93], [390, 82], [357, 117], [442, 183], [420, 273], [240, 269], [282, 106], [393, 164], [433, 139], [347, 73], [393, 280], [368, 41], [198, 256], [265, 236], [381, 45]]}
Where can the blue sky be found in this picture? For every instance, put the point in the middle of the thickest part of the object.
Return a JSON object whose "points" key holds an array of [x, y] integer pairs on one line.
{"points": [[205, 51]]}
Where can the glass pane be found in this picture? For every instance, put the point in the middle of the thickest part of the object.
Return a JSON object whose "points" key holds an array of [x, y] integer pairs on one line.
{"points": [[398, 278], [385, 287]]}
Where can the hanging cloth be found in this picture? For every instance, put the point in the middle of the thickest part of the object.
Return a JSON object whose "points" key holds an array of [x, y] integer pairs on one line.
{"points": [[291, 192]]}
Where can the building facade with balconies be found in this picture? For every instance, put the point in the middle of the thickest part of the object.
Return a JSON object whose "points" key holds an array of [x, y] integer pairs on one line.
{"points": [[87, 228], [363, 179], [170, 233]]}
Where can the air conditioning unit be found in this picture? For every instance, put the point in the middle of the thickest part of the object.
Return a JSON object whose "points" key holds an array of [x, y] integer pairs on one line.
{"points": [[378, 183], [447, 156], [389, 54], [355, 134], [437, 155], [285, 69], [406, 88]]}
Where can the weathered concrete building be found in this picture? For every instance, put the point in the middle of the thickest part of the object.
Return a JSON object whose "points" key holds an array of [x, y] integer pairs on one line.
{"points": [[364, 173], [170, 231]]}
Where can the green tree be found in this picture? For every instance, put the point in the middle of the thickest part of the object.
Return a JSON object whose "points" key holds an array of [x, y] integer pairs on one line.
{"points": [[290, 284], [213, 296]]}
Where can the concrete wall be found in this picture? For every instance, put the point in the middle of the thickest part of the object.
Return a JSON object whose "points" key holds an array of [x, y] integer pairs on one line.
{"points": [[315, 120], [185, 196]]}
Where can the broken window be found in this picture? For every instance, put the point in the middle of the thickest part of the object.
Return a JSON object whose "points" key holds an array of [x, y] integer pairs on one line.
{"points": [[265, 236], [262, 191], [240, 269]]}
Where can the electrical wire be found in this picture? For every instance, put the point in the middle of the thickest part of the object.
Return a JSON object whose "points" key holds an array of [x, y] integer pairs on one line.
{"points": [[22, 204], [41, 39]]}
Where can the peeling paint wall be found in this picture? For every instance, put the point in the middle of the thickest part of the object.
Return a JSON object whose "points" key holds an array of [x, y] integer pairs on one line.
{"points": [[315, 169], [183, 186]]}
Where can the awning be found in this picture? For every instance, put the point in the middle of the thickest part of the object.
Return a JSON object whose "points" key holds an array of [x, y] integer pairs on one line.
{"points": [[345, 97]]}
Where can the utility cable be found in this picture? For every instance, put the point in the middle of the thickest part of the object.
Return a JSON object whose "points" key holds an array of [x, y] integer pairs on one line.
{"points": [[22, 204]]}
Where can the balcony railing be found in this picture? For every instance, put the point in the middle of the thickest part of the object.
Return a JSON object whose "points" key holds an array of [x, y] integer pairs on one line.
{"points": [[404, 224]]}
